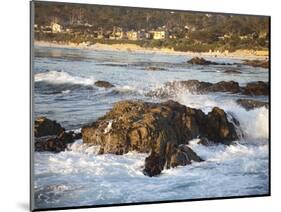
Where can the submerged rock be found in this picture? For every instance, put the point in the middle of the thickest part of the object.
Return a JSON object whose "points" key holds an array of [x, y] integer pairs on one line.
{"points": [[103, 84], [257, 63], [159, 128], [46, 127], [153, 68], [232, 71], [250, 104]]}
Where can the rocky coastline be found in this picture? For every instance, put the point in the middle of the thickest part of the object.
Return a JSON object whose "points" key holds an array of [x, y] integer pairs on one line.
{"points": [[161, 130], [170, 89]]}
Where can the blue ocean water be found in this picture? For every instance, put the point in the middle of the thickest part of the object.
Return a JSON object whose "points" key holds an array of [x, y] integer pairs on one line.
{"points": [[64, 90]]}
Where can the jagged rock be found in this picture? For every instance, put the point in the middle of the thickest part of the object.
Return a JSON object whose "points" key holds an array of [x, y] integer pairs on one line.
{"points": [[256, 88], [54, 143], [66, 137], [49, 143], [156, 127], [154, 164], [45, 127], [184, 156], [223, 86], [50, 136], [218, 129], [250, 104], [174, 156], [103, 84]]}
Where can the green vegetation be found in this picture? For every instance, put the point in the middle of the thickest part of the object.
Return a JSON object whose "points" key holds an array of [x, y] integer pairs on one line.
{"points": [[190, 31], [184, 44]]}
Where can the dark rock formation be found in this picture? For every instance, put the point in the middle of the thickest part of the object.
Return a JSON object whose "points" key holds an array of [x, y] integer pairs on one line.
{"points": [[54, 143], [77, 136], [202, 61], [103, 84], [257, 63], [154, 164], [256, 88], [171, 89], [45, 127], [217, 128], [223, 86], [183, 156], [250, 104], [159, 128], [66, 137], [50, 144], [50, 136], [174, 156]]}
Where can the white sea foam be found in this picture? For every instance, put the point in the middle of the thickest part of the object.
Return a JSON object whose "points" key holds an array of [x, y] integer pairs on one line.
{"points": [[62, 77], [253, 123], [105, 179], [66, 92], [80, 176]]}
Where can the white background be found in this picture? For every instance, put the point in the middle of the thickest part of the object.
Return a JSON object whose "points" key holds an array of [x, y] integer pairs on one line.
{"points": [[14, 117]]}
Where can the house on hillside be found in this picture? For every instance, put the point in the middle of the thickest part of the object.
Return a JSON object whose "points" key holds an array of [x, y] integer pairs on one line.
{"points": [[56, 27], [132, 35], [118, 34], [159, 34]]}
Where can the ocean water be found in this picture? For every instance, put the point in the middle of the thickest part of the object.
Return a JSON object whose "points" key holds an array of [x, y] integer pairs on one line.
{"points": [[64, 90]]}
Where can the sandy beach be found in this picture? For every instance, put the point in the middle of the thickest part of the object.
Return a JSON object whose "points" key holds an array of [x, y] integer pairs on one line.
{"points": [[239, 54]]}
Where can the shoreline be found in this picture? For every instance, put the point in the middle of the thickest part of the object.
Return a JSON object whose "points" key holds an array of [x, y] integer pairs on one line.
{"points": [[239, 54]]}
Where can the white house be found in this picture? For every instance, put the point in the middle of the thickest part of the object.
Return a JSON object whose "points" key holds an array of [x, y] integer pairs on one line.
{"points": [[56, 28], [159, 35]]}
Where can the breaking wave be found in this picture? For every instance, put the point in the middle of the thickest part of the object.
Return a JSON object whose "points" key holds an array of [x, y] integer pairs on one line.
{"points": [[60, 82], [253, 123], [62, 77]]}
